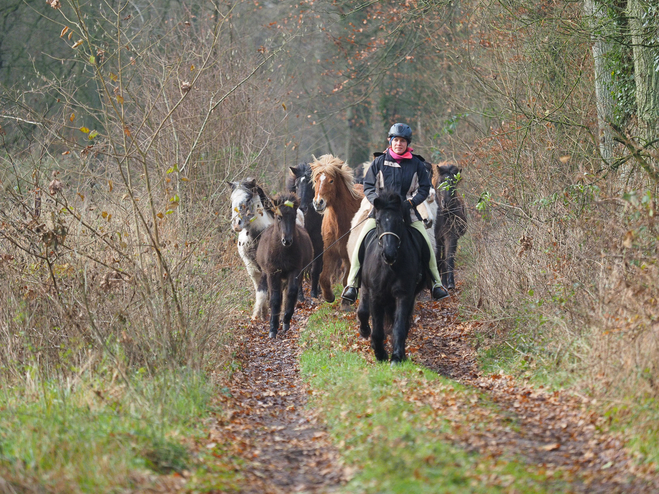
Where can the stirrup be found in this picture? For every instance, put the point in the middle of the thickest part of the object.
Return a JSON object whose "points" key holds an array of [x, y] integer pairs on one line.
{"points": [[349, 294], [438, 291]]}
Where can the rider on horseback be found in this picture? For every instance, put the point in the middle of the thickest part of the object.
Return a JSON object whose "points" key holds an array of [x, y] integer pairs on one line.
{"points": [[399, 170]]}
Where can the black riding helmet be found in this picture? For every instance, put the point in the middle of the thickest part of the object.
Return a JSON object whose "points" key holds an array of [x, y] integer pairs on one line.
{"points": [[400, 130]]}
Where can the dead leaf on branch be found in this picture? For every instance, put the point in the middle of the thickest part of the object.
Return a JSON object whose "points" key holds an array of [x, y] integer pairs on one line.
{"points": [[54, 4], [55, 186], [185, 87]]}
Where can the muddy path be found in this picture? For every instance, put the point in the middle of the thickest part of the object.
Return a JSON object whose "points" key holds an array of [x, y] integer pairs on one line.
{"points": [[286, 449], [284, 446]]}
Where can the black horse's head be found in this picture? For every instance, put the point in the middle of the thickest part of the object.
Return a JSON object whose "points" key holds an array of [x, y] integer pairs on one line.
{"points": [[285, 208], [300, 182], [449, 176], [391, 221]]}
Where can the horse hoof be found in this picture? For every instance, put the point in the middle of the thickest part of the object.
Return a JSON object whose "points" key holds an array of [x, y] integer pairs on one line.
{"points": [[395, 363], [285, 327], [365, 332], [273, 333]]}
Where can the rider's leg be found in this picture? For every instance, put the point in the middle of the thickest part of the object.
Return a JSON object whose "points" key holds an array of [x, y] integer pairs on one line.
{"points": [[352, 285], [437, 290]]}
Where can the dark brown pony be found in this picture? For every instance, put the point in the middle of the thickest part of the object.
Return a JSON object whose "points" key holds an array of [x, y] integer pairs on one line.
{"points": [[284, 250], [451, 221], [337, 199]]}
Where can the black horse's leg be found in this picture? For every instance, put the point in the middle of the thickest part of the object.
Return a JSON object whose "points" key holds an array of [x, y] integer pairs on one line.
{"points": [[300, 289], [400, 328], [441, 258], [452, 247], [377, 333], [289, 306], [364, 313], [274, 285], [316, 269]]}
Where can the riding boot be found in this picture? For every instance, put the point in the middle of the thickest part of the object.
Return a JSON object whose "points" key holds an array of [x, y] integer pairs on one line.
{"points": [[438, 291], [350, 294]]}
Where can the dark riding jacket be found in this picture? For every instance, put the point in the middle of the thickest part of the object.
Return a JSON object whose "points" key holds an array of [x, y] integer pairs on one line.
{"points": [[409, 178]]}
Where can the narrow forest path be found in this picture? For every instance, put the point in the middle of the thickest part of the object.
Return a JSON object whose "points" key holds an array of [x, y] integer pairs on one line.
{"points": [[286, 449], [284, 446]]}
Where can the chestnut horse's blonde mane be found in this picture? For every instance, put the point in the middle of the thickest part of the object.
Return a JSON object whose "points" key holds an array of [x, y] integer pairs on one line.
{"points": [[335, 168]]}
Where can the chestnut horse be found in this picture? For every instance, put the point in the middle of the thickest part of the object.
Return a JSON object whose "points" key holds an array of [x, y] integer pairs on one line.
{"points": [[337, 199]]}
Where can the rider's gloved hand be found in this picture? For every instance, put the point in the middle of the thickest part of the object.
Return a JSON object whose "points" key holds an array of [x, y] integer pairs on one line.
{"points": [[407, 207]]}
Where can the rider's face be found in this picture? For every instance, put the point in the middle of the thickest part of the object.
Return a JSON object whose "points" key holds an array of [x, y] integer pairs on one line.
{"points": [[398, 145]]}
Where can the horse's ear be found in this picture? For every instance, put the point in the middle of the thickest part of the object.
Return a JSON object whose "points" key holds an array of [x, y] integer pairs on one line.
{"points": [[233, 185], [294, 171], [377, 203], [250, 183], [443, 169]]}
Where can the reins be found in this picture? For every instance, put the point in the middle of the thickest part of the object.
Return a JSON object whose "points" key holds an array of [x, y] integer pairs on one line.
{"points": [[330, 246]]}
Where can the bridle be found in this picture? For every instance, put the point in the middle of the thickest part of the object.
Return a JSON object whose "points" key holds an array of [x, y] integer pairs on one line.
{"points": [[389, 233]]}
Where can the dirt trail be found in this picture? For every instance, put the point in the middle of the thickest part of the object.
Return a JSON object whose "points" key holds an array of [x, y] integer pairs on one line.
{"points": [[287, 450], [553, 430]]}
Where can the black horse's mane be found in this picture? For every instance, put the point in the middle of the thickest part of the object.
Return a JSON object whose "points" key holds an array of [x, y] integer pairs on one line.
{"points": [[291, 178], [392, 201]]}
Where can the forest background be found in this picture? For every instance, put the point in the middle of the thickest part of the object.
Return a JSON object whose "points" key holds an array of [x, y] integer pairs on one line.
{"points": [[121, 123]]}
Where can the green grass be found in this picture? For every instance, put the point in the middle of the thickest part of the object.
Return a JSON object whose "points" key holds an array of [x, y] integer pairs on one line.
{"points": [[95, 436], [385, 424]]}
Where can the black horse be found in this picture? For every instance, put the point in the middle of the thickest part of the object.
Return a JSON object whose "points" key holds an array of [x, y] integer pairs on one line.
{"points": [[394, 271], [451, 222], [300, 182], [284, 250]]}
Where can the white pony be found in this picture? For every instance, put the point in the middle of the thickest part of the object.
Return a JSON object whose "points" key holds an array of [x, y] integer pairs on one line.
{"points": [[251, 214]]}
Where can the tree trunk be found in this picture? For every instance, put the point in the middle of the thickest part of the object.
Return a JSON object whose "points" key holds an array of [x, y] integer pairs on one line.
{"points": [[643, 29], [600, 28]]}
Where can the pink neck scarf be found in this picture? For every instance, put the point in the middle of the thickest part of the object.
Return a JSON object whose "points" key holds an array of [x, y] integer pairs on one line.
{"points": [[400, 157]]}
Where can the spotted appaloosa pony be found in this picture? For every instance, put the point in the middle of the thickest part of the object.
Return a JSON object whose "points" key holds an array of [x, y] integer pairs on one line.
{"points": [[299, 181], [284, 250], [337, 199], [451, 222], [394, 271]]}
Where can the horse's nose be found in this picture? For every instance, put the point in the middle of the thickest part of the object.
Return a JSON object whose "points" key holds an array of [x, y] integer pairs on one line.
{"points": [[237, 224], [304, 208], [319, 205], [286, 242], [388, 258]]}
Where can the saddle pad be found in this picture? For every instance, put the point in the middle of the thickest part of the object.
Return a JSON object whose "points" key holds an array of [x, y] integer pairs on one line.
{"points": [[370, 237]]}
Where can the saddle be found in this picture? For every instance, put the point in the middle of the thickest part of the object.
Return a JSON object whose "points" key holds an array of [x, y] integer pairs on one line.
{"points": [[417, 240]]}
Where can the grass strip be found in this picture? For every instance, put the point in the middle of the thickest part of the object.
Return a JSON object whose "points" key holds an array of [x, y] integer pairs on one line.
{"points": [[99, 436], [400, 428]]}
